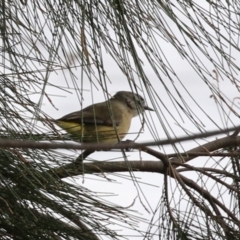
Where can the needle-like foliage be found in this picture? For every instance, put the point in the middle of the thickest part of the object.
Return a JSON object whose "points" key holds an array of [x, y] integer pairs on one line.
{"points": [[43, 38]]}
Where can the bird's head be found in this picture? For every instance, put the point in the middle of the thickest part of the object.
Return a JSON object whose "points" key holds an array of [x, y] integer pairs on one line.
{"points": [[135, 102]]}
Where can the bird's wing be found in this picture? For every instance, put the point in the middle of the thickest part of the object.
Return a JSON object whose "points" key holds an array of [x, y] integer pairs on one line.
{"points": [[98, 115]]}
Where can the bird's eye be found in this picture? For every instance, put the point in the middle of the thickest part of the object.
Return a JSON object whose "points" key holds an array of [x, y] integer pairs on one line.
{"points": [[139, 98]]}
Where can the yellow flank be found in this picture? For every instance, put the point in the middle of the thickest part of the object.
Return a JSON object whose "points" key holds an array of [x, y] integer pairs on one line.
{"points": [[92, 133], [70, 127]]}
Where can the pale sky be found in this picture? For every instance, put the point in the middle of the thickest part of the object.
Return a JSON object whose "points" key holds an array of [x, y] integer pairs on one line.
{"points": [[150, 184]]}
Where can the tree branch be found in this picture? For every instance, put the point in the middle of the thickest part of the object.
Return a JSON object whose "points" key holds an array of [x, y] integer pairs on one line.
{"points": [[6, 143]]}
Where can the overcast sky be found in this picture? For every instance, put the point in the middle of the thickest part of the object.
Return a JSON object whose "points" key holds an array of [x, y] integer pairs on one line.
{"points": [[150, 185]]}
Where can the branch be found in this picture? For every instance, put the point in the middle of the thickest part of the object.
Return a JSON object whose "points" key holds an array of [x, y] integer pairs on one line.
{"points": [[160, 167], [74, 169], [6, 143], [208, 147], [184, 181]]}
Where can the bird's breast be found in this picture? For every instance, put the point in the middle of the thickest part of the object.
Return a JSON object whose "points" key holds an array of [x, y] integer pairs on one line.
{"points": [[90, 133]]}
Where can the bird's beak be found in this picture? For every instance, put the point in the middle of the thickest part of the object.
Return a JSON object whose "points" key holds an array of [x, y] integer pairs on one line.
{"points": [[148, 108]]}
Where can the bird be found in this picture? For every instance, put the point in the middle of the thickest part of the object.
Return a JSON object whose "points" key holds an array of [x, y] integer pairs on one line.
{"points": [[104, 122]]}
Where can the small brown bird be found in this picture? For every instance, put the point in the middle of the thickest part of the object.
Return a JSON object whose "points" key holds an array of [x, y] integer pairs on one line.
{"points": [[105, 122]]}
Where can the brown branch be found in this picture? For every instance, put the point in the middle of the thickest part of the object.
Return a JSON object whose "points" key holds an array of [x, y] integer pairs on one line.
{"points": [[205, 169], [189, 155], [78, 168], [157, 154], [204, 172], [209, 147], [74, 169], [169, 209], [209, 197], [6, 143], [160, 167], [184, 181], [149, 166], [207, 154]]}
